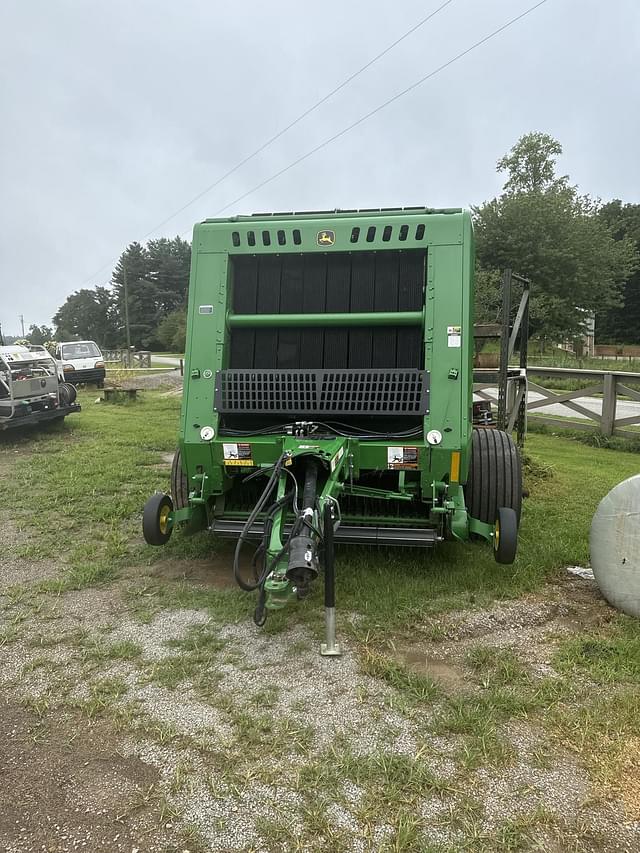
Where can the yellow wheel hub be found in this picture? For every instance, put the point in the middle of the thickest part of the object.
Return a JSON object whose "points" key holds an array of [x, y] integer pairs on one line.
{"points": [[163, 519], [496, 536]]}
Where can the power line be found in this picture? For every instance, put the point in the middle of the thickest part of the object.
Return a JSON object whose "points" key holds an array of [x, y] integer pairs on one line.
{"points": [[380, 107], [288, 127]]}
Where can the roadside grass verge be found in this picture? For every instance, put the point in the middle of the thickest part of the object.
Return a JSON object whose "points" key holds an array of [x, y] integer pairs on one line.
{"points": [[592, 438]]}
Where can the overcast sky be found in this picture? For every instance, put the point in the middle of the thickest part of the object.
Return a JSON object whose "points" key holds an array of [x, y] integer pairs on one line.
{"points": [[114, 114]]}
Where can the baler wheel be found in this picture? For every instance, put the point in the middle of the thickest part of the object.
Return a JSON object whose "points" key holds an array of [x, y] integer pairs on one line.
{"points": [[179, 484], [505, 542], [155, 519], [495, 476]]}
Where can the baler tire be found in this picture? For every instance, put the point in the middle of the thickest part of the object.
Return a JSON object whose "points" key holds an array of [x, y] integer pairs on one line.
{"points": [[179, 483], [505, 542], [495, 475], [154, 519]]}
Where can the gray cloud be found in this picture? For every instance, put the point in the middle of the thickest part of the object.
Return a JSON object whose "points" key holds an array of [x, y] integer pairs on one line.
{"points": [[115, 114]]}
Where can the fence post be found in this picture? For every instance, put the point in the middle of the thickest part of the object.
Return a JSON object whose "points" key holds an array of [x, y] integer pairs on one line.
{"points": [[608, 403]]}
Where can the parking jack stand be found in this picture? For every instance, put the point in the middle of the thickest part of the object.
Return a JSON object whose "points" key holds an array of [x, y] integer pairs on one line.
{"points": [[330, 648]]}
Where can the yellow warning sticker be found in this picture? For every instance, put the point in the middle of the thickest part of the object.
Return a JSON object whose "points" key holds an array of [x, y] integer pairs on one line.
{"points": [[237, 454]]}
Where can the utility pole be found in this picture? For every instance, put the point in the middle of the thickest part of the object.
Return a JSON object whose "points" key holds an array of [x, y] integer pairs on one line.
{"points": [[22, 323], [126, 311]]}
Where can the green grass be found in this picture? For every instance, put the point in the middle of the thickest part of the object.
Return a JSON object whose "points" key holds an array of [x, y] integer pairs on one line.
{"points": [[399, 589], [415, 688], [609, 655], [88, 481], [90, 478], [592, 438]]}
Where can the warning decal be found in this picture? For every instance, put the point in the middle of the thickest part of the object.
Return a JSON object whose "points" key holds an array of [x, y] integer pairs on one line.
{"points": [[402, 457], [237, 454], [336, 459], [454, 336]]}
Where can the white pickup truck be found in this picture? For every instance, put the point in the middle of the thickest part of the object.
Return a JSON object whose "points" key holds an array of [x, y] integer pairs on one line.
{"points": [[31, 388]]}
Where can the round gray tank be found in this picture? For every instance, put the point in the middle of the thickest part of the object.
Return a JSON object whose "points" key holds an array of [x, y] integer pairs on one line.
{"points": [[615, 546]]}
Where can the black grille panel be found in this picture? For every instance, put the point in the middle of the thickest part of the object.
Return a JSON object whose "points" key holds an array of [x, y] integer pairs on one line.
{"points": [[389, 280], [322, 392]]}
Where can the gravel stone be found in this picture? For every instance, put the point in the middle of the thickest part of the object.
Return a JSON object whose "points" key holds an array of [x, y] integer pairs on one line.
{"points": [[166, 626]]}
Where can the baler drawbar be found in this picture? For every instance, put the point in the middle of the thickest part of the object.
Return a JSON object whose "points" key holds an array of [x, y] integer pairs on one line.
{"points": [[328, 397]]}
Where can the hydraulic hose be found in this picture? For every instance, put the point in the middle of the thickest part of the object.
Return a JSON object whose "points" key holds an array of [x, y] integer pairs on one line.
{"points": [[310, 484], [262, 500]]}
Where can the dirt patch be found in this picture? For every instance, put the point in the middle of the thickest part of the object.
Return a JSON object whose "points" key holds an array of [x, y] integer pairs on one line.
{"points": [[65, 787], [530, 626], [450, 676], [629, 780], [215, 571]]}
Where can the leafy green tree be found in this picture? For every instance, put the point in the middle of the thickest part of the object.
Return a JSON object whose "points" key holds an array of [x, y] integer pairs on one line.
{"points": [[172, 331], [531, 165], [157, 282], [543, 229], [88, 315], [168, 269], [620, 324], [39, 334]]}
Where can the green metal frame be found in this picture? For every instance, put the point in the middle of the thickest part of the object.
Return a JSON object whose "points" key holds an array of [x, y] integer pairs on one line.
{"points": [[448, 302]]}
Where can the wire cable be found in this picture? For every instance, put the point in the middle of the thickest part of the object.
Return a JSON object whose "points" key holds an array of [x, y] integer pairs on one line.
{"points": [[286, 129], [381, 106]]}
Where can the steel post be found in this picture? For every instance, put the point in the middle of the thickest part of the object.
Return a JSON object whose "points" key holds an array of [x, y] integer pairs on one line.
{"points": [[330, 648]]}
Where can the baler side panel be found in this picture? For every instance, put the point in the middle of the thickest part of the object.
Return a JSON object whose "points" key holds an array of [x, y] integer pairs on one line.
{"points": [[206, 330], [445, 327]]}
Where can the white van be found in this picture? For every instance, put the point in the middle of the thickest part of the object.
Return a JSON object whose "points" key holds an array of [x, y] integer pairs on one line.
{"points": [[81, 361]]}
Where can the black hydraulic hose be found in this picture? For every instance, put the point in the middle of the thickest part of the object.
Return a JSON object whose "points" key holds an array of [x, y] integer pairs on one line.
{"points": [[310, 485], [262, 500], [268, 526]]}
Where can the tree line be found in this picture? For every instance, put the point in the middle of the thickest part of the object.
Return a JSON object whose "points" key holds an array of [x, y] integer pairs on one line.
{"points": [[155, 278], [581, 255]]}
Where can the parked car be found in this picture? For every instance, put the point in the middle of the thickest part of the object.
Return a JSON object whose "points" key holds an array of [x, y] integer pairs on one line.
{"points": [[81, 361]]}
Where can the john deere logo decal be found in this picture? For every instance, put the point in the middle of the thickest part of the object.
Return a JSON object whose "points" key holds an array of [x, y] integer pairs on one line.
{"points": [[326, 238]]}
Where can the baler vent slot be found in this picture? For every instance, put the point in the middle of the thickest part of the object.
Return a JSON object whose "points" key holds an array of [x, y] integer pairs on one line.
{"points": [[322, 392], [281, 236]]}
